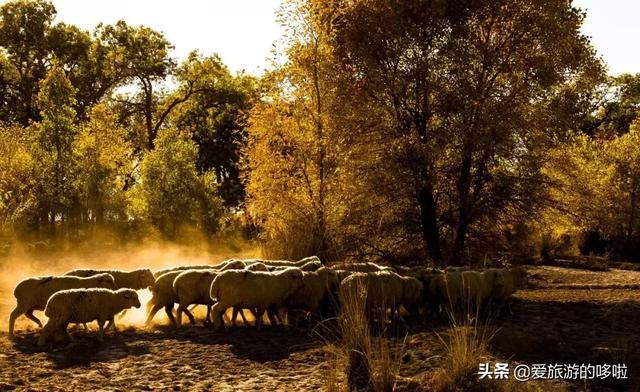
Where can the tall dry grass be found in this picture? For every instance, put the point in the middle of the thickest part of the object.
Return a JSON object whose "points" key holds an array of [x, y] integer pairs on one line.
{"points": [[465, 345], [364, 359]]}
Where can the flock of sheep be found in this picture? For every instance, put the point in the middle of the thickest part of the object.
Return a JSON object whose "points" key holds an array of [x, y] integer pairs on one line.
{"points": [[283, 290]]}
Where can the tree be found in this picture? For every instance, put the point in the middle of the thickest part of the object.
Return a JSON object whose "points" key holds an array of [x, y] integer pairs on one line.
{"points": [[626, 161], [464, 86], [300, 185], [24, 26], [171, 193], [30, 41], [596, 185], [615, 108], [144, 55], [216, 117], [18, 169], [102, 159], [55, 135]]}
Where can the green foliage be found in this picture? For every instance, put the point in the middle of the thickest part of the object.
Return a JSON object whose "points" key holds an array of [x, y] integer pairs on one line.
{"points": [[404, 130], [80, 148], [30, 40], [101, 157], [17, 171], [216, 117], [596, 188], [171, 193], [55, 135]]}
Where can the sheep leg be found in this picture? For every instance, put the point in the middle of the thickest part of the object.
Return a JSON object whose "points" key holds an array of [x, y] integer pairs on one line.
{"points": [[218, 323], [150, 314], [271, 316], [44, 334], [259, 319], [207, 319], [112, 324], [169, 311], [17, 312], [179, 316], [33, 318], [280, 315], [150, 305], [396, 317], [234, 315], [244, 318], [181, 309], [192, 319], [65, 333], [101, 330]]}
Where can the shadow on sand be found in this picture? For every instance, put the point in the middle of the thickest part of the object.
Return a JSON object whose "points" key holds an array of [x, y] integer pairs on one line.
{"points": [[268, 344]]}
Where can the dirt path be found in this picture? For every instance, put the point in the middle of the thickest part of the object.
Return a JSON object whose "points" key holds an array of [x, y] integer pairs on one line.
{"points": [[192, 359]]}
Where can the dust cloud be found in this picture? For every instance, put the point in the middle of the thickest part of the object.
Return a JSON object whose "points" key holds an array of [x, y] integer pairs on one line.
{"points": [[20, 264]]}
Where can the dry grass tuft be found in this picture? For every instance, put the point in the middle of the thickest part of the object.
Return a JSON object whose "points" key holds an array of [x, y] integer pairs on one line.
{"points": [[466, 346], [363, 360]]}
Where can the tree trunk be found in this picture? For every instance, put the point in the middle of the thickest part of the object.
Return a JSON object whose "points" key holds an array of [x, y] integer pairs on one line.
{"points": [[464, 185], [632, 215], [429, 222], [148, 112]]}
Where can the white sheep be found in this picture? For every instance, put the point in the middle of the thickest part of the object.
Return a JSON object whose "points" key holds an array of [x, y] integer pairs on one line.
{"points": [[495, 280], [286, 263], [33, 293], [257, 266], [252, 289], [456, 289], [445, 290], [315, 292], [137, 279], [384, 290], [161, 272], [163, 296], [361, 267], [312, 265], [514, 279], [423, 274], [193, 287], [83, 306]]}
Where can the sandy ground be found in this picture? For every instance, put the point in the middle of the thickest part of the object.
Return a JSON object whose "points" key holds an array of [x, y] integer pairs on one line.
{"points": [[565, 316]]}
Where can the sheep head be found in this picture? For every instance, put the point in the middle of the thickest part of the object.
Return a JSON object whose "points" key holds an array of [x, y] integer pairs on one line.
{"points": [[296, 277], [144, 277], [232, 265], [130, 297], [105, 281], [412, 290]]}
